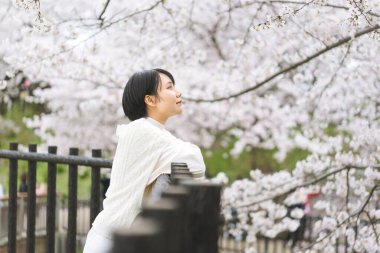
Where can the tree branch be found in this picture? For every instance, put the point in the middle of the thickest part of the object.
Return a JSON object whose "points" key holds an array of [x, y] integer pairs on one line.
{"points": [[134, 13], [348, 187], [356, 214], [317, 100], [93, 34], [6, 12], [102, 13], [296, 3], [309, 33], [215, 42], [294, 66], [311, 182], [170, 13], [247, 32], [361, 11], [373, 227]]}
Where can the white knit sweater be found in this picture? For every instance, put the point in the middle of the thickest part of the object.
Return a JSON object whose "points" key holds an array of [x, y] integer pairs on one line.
{"points": [[144, 151]]}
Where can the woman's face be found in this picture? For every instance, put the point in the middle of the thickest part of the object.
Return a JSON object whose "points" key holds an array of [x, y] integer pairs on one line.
{"points": [[169, 101]]}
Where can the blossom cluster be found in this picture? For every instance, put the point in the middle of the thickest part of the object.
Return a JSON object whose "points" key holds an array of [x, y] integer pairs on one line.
{"points": [[341, 202]]}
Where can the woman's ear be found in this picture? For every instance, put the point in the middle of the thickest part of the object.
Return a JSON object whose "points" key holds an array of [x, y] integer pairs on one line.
{"points": [[150, 100]]}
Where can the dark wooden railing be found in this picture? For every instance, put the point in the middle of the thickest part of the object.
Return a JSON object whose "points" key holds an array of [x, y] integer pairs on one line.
{"points": [[185, 219], [52, 159]]}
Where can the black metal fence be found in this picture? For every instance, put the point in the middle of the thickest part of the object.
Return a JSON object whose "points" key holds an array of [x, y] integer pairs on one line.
{"points": [[41, 213], [51, 159]]}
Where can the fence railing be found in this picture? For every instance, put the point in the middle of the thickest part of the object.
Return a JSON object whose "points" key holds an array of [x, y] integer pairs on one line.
{"points": [[185, 219], [21, 217], [83, 221], [51, 159]]}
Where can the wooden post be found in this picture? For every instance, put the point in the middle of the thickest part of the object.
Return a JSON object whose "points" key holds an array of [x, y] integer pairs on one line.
{"points": [[203, 216], [179, 167], [177, 179], [142, 237], [179, 171], [181, 195], [166, 213], [266, 244]]}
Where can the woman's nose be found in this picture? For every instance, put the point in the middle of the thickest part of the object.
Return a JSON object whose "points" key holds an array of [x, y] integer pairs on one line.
{"points": [[179, 94]]}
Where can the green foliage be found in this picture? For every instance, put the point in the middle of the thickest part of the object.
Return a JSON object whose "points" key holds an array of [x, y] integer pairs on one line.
{"points": [[20, 133], [25, 136], [218, 159]]}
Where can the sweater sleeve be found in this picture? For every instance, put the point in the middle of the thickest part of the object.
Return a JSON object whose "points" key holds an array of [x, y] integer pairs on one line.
{"points": [[176, 150], [191, 154]]}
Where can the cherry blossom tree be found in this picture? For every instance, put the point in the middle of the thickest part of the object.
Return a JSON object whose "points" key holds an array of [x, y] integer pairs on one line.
{"points": [[271, 74]]}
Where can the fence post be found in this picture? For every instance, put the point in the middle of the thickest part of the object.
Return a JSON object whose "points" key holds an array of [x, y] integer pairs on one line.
{"points": [[72, 204], [51, 203], [203, 216], [266, 244], [179, 168], [142, 237], [179, 172], [166, 213], [31, 206], [179, 194], [95, 188], [12, 211]]}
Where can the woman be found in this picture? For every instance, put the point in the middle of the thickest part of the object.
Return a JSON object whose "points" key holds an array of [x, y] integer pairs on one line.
{"points": [[145, 150]]}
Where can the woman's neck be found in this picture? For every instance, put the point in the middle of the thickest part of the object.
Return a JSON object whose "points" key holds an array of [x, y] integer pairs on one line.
{"points": [[157, 118], [157, 121]]}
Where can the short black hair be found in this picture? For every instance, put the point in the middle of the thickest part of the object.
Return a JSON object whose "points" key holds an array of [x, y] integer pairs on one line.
{"points": [[139, 85]]}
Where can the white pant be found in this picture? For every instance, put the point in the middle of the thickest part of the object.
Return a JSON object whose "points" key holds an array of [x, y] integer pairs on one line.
{"points": [[97, 243]]}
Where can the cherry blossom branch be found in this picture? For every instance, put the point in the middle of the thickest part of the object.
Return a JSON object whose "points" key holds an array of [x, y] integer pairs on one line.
{"points": [[83, 79], [279, 19], [143, 27], [133, 14], [311, 182], [104, 73], [102, 12], [94, 34], [333, 77], [170, 13], [373, 226], [229, 21], [298, 3], [309, 33], [361, 11], [247, 32], [294, 66], [190, 18], [356, 214], [6, 12], [215, 42]]}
